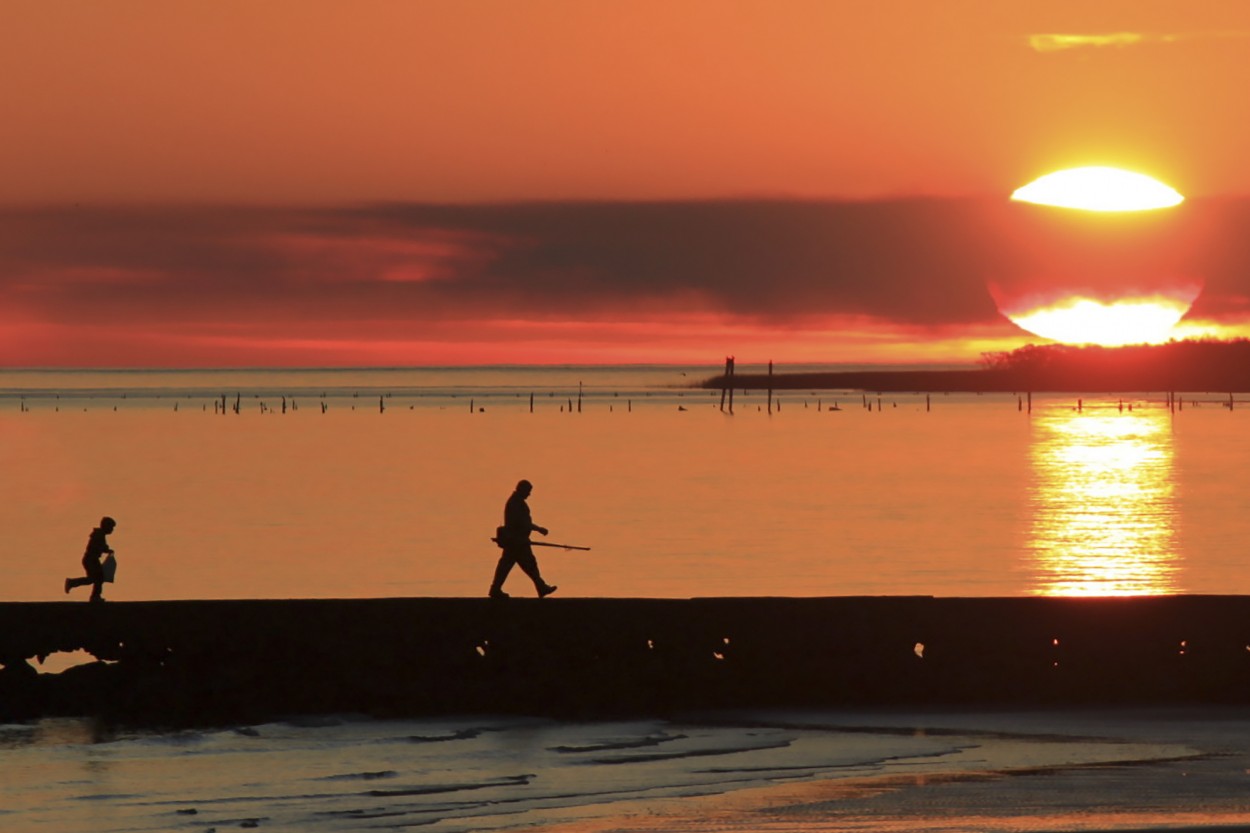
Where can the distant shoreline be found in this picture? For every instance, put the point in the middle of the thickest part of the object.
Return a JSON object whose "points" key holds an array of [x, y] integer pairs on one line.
{"points": [[978, 381], [971, 381], [1176, 367], [896, 381]]}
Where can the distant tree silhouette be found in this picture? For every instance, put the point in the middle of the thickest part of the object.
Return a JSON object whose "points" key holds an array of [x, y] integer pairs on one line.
{"points": [[1190, 364]]}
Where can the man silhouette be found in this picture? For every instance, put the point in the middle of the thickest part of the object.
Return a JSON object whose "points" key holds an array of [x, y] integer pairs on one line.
{"points": [[97, 547], [514, 538]]}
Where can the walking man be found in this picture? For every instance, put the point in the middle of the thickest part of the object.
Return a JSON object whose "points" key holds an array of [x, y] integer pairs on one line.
{"points": [[514, 538], [97, 548]]}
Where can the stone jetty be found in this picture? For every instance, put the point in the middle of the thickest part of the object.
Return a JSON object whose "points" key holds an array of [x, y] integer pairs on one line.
{"points": [[214, 662]]}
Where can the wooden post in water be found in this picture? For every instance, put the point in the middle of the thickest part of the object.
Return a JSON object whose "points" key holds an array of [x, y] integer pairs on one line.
{"points": [[770, 386], [1029, 396], [531, 402], [724, 384], [579, 397]]}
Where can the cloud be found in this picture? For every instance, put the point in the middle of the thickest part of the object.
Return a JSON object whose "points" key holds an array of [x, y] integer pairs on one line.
{"points": [[778, 261], [1062, 42], [478, 277]]}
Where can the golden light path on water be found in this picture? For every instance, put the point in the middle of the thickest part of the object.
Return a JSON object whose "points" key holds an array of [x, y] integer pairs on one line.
{"points": [[1103, 503]]}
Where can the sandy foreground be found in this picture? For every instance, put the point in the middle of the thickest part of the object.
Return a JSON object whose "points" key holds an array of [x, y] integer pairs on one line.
{"points": [[1174, 769]]}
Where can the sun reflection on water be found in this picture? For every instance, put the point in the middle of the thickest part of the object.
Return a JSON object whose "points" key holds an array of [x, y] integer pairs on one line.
{"points": [[1103, 503]]}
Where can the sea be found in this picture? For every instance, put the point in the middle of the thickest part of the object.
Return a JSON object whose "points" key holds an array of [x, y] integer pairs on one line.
{"points": [[365, 483]]}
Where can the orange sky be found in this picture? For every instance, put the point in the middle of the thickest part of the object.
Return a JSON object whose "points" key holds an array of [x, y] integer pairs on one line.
{"points": [[319, 105]]}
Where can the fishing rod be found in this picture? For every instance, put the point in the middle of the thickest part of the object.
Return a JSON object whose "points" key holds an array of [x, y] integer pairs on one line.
{"points": [[546, 544]]}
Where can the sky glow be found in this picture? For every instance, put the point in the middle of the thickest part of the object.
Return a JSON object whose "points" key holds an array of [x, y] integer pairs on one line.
{"points": [[302, 182]]}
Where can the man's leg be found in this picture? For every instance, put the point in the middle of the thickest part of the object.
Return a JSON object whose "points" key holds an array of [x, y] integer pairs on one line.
{"points": [[95, 577], [88, 578], [506, 560], [530, 565]]}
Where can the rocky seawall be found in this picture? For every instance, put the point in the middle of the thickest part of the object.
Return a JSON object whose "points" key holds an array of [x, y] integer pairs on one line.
{"points": [[212, 662]]}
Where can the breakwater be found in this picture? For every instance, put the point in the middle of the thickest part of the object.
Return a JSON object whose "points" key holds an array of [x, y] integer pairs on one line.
{"points": [[203, 662]]}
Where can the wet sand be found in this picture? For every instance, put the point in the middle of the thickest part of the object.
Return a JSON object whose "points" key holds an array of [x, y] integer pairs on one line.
{"points": [[1125, 770], [998, 771]]}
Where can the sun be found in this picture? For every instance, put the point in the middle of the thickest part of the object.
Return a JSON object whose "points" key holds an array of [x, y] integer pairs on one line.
{"points": [[1112, 279], [1080, 320], [1098, 188]]}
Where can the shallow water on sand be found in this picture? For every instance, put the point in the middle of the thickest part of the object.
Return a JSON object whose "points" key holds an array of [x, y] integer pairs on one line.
{"points": [[761, 772]]}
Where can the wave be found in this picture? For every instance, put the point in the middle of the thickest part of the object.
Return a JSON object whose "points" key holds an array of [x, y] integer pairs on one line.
{"points": [[362, 776], [436, 789], [654, 740]]}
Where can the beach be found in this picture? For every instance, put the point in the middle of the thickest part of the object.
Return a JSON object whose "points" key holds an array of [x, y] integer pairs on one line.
{"points": [[1051, 770], [1067, 770]]}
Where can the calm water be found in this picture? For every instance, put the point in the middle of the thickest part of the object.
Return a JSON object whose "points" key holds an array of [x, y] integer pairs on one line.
{"points": [[389, 483]]}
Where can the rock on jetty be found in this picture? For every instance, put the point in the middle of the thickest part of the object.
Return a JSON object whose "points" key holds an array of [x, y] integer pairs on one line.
{"points": [[215, 662]]}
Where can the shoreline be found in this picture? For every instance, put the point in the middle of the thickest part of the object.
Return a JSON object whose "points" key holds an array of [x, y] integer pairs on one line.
{"points": [[1026, 772], [1175, 367], [1123, 781], [1009, 771], [984, 381]]}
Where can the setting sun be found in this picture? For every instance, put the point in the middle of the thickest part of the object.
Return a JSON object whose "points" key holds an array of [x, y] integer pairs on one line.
{"points": [[1110, 324], [1108, 280], [1099, 189]]}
